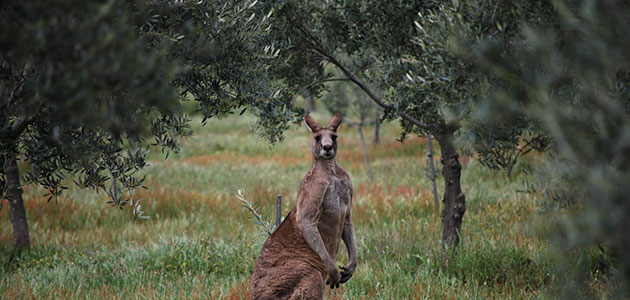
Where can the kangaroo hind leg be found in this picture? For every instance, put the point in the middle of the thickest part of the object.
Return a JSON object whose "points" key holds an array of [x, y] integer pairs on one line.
{"points": [[310, 287]]}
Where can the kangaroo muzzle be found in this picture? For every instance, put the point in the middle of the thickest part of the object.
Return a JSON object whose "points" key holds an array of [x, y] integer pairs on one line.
{"points": [[327, 147]]}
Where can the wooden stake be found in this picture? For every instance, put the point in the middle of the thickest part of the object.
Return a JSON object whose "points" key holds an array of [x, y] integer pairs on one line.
{"points": [[278, 210]]}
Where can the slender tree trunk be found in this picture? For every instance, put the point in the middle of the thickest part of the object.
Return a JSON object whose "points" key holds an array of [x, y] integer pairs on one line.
{"points": [[377, 125], [309, 102], [433, 175], [454, 199], [365, 152], [312, 103], [18, 213]]}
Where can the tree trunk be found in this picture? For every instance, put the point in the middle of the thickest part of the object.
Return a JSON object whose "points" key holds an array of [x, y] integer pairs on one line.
{"points": [[18, 213], [454, 199], [365, 152], [377, 122], [433, 175], [309, 102], [312, 103], [377, 125]]}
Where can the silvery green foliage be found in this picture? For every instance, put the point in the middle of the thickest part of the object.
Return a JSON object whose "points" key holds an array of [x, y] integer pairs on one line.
{"points": [[451, 85], [228, 58], [80, 93], [87, 87], [417, 53], [370, 37]]}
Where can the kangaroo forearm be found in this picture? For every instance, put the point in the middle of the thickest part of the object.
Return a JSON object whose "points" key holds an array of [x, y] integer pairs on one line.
{"points": [[314, 239], [348, 240]]}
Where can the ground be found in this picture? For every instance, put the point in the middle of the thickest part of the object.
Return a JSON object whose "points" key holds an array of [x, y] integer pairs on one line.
{"points": [[201, 243]]}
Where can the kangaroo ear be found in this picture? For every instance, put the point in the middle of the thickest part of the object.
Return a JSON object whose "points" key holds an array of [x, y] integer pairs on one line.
{"points": [[334, 123], [312, 124]]}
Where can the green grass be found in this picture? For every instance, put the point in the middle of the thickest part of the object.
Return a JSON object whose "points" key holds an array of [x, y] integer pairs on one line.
{"points": [[201, 243]]}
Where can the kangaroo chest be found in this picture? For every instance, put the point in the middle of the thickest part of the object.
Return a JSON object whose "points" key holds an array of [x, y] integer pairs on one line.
{"points": [[336, 200]]}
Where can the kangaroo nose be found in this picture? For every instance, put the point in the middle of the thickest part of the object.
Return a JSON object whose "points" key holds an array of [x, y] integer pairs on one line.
{"points": [[327, 147]]}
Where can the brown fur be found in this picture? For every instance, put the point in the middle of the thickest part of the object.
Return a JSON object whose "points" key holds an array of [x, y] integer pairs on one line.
{"points": [[299, 256]]}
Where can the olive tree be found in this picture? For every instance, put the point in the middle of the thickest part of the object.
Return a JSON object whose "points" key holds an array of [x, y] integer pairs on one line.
{"points": [[86, 87], [409, 50]]}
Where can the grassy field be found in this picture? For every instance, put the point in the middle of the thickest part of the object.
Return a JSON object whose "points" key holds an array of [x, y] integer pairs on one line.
{"points": [[201, 243]]}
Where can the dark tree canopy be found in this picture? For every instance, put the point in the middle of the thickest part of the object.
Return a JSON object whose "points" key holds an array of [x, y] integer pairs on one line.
{"points": [[228, 58], [77, 80]]}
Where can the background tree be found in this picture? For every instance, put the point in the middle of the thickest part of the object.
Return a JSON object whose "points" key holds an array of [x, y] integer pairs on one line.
{"points": [[77, 82], [87, 86]]}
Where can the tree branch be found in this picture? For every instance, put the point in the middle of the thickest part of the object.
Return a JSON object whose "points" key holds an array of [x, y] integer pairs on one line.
{"points": [[18, 127], [318, 49], [325, 80], [5, 104], [14, 91], [334, 79], [352, 77], [353, 124], [10, 101]]}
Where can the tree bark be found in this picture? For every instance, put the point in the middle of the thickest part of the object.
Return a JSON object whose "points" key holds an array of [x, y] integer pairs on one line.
{"points": [[433, 175], [454, 199], [18, 213]]}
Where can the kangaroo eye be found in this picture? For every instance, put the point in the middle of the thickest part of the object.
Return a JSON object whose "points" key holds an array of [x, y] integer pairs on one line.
{"points": [[317, 138], [334, 137]]}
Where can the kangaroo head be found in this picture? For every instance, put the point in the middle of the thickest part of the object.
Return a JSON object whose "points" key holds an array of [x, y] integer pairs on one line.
{"points": [[324, 138]]}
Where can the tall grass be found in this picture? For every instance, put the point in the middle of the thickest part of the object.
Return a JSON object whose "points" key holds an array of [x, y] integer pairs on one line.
{"points": [[200, 243]]}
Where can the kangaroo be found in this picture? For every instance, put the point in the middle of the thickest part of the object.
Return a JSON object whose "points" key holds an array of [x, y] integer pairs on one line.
{"points": [[299, 256]]}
